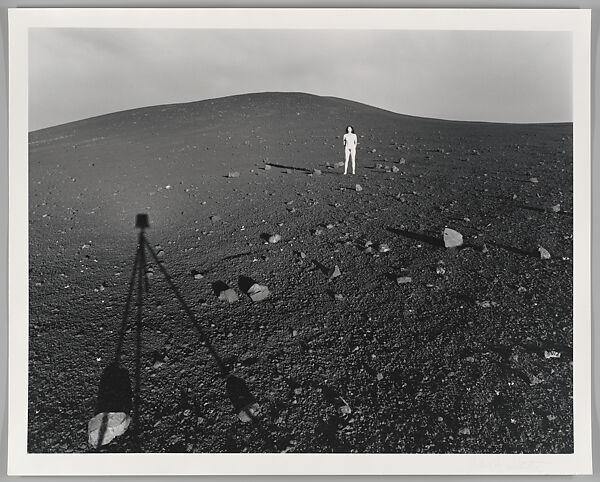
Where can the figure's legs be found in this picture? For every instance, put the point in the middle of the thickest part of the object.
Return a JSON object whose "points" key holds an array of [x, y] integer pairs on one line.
{"points": [[353, 161], [347, 153]]}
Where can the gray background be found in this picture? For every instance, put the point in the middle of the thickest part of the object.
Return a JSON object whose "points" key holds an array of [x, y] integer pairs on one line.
{"points": [[594, 4]]}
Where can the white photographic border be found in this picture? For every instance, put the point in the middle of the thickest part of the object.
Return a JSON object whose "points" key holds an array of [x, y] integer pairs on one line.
{"points": [[576, 21]]}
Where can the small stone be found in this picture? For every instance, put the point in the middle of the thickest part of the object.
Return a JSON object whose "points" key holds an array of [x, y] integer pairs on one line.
{"points": [[228, 295], [535, 380], [358, 188], [440, 270], [267, 167], [395, 169], [168, 187], [373, 151], [470, 359], [556, 208], [402, 161], [317, 232], [335, 272], [298, 391], [275, 238], [198, 276], [452, 238], [258, 292], [534, 180], [339, 164], [464, 431], [215, 219], [384, 248], [380, 376], [233, 174], [317, 172], [544, 254], [338, 297], [345, 409], [403, 280], [249, 412], [484, 304]]}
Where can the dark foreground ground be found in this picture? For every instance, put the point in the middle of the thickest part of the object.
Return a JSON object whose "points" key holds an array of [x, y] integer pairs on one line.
{"points": [[474, 355]]}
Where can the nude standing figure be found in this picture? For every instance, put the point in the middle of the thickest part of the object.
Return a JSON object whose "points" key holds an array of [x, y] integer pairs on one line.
{"points": [[350, 141]]}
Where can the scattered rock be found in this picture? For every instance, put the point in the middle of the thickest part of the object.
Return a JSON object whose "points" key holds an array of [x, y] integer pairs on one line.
{"points": [[403, 280], [233, 174], [358, 188], [317, 231], [440, 270], [274, 238], [402, 161], [384, 248], [258, 292], [228, 295], [544, 254], [395, 169], [345, 410], [556, 208], [452, 239], [317, 172], [335, 272], [112, 424], [249, 412]]}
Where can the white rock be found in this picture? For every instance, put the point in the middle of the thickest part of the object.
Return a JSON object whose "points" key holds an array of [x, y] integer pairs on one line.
{"points": [[452, 239], [258, 292], [228, 295], [358, 188], [275, 238], [249, 412], [112, 424], [335, 272], [544, 254]]}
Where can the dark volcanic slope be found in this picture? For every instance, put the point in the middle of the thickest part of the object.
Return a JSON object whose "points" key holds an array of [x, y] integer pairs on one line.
{"points": [[465, 358]]}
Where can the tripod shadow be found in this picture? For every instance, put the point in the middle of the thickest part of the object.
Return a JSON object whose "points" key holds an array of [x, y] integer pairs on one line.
{"points": [[115, 393]]}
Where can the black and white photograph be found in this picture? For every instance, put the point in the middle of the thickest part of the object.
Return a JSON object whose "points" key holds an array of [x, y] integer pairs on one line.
{"points": [[286, 240]]}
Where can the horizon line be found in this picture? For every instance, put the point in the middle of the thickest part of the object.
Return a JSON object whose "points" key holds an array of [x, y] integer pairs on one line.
{"points": [[150, 106]]}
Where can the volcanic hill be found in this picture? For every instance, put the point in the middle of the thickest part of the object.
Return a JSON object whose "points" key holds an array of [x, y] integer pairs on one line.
{"points": [[413, 348]]}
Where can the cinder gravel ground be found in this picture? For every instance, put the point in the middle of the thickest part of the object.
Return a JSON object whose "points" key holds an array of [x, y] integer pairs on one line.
{"points": [[473, 355]]}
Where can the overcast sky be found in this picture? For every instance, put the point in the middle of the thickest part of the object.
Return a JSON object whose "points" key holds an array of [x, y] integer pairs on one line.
{"points": [[466, 75]]}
